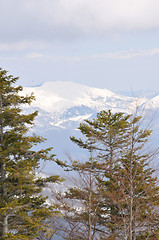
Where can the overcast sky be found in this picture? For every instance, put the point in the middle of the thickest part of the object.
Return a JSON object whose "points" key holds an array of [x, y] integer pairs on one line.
{"points": [[111, 44]]}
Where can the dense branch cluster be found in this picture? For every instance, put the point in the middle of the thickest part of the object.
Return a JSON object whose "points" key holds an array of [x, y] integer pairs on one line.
{"points": [[23, 210]]}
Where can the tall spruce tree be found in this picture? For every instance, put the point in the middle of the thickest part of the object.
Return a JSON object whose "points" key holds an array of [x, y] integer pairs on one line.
{"points": [[128, 190], [104, 141], [23, 209], [131, 190]]}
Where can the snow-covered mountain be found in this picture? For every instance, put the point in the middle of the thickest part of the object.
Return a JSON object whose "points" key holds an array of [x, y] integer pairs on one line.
{"points": [[64, 102], [63, 105]]}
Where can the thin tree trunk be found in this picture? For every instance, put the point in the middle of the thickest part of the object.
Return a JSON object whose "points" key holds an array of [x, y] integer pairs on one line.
{"points": [[3, 173], [134, 226], [90, 220], [131, 205], [90, 207], [131, 191], [4, 194], [4, 224]]}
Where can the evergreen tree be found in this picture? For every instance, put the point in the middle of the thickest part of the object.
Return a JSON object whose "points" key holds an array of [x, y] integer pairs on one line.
{"points": [[23, 209], [104, 141], [106, 136], [129, 193]]}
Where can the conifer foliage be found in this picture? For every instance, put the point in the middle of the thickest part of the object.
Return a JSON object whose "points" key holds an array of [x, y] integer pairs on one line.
{"points": [[23, 209], [124, 195]]}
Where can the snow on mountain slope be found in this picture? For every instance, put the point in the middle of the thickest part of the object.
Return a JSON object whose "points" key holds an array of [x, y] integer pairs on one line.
{"points": [[67, 101], [153, 103], [63, 105], [58, 96]]}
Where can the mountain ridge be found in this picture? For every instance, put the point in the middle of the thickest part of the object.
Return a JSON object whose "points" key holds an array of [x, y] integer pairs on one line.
{"points": [[63, 106], [59, 96]]}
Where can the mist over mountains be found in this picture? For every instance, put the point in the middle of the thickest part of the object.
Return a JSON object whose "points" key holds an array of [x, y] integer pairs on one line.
{"points": [[63, 105]]}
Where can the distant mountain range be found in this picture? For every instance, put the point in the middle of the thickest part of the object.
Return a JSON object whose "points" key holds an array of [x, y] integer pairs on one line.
{"points": [[63, 105]]}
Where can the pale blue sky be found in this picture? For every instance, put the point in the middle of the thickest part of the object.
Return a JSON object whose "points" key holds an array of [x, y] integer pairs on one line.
{"points": [[111, 44]]}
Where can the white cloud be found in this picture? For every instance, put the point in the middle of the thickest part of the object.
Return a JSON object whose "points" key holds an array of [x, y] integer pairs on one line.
{"points": [[90, 16], [111, 55], [127, 54], [48, 19], [21, 46], [35, 55]]}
